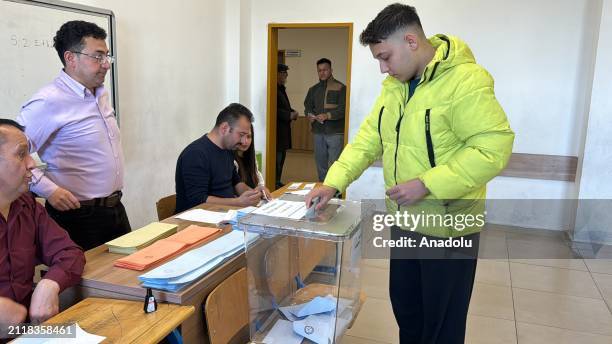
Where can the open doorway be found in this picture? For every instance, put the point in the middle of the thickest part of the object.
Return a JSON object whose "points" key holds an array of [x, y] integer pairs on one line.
{"points": [[300, 46]]}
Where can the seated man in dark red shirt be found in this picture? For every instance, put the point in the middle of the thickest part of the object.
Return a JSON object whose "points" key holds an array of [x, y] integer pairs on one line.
{"points": [[28, 236]]}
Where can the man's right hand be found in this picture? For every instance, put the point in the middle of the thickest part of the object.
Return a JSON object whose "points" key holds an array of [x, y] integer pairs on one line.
{"points": [[11, 312], [250, 198], [325, 193], [294, 115], [62, 199]]}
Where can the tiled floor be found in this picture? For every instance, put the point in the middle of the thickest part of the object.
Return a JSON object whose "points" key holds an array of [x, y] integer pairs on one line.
{"points": [[531, 288]]}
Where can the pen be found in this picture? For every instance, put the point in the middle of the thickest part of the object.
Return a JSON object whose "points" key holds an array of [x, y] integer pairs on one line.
{"points": [[263, 191]]}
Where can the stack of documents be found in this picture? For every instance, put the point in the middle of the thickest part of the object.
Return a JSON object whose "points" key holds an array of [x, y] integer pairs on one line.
{"points": [[314, 320], [140, 238], [283, 209], [180, 272], [219, 218], [179, 242]]}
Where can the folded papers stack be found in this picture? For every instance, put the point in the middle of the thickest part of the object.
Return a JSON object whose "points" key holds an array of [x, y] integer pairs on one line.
{"points": [[162, 249], [315, 320], [183, 270], [140, 238]]}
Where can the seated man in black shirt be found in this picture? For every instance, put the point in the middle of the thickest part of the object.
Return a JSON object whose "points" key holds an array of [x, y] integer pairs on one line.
{"points": [[205, 171]]}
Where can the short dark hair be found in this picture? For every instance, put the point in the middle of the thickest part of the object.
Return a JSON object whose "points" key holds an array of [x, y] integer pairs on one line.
{"points": [[388, 21], [324, 60], [10, 123], [232, 113], [71, 34]]}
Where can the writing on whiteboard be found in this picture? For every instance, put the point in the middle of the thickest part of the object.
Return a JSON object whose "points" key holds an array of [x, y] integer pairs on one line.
{"points": [[29, 42]]}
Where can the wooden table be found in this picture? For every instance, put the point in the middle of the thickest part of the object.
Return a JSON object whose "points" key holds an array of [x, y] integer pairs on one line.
{"points": [[122, 321], [102, 279]]}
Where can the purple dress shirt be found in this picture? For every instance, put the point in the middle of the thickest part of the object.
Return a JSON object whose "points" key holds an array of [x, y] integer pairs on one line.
{"points": [[75, 132], [30, 237]]}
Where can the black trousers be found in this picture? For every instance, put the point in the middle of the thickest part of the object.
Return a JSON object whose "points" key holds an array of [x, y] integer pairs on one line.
{"points": [[92, 226], [430, 295], [280, 162]]}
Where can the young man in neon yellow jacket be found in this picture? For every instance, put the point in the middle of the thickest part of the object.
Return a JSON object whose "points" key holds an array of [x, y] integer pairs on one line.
{"points": [[441, 135]]}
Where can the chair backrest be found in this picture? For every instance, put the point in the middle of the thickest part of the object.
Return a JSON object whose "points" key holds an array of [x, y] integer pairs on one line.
{"points": [[166, 206], [227, 310]]}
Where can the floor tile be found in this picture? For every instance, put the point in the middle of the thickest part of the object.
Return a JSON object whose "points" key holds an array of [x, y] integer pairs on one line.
{"points": [[572, 264], [485, 330], [604, 282], [563, 311], [376, 321], [375, 281], [536, 249], [377, 263], [492, 301], [493, 247], [358, 340], [492, 271], [555, 280], [536, 334], [601, 266]]}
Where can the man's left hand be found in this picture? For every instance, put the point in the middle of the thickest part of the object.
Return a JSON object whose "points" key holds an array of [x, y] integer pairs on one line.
{"points": [[408, 193], [45, 301]]}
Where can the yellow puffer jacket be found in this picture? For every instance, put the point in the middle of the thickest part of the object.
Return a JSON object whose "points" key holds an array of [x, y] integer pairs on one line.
{"points": [[452, 134]]}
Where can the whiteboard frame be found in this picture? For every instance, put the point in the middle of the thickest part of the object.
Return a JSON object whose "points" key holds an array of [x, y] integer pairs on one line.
{"points": [[101, 12]]}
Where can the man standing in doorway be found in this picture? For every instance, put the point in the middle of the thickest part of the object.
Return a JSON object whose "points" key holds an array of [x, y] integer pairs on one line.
{"points": [[72, 126], [441, 135], [284, 115], [324, 105]]}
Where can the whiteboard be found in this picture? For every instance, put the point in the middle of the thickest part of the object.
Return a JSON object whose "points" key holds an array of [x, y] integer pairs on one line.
{"points": [[28, 60]]}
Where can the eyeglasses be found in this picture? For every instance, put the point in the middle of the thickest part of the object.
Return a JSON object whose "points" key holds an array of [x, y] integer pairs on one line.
{"points": [[100, 58]]}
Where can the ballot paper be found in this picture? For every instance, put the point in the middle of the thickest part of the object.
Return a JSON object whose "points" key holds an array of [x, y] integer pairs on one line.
{"points": [[319, 328], [317, 305], [294, 186], [82, 337], [140, 238], [303, 192], [309, 186], [182, 241], [230, 217], [183, 270], [206, 216], [282, 333], [283, 209]]}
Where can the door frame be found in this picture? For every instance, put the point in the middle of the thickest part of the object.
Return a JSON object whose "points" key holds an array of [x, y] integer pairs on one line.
{"points": [[273, 29]]}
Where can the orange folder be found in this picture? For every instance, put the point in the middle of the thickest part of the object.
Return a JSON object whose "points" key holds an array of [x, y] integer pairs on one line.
{"points": [[162, 249]]}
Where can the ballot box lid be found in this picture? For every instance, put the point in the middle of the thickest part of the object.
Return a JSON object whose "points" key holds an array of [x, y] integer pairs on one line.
{"points": [[337, 222]]}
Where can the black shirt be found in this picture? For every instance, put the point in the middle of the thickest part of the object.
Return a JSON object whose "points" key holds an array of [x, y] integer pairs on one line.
{"points": [[203, 169]]}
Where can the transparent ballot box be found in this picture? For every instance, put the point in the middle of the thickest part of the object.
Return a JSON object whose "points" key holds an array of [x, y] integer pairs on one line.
{"points": [[303, 273]]}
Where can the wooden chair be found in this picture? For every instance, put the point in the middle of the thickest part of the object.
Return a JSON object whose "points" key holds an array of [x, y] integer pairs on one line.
{"points": [[166, 206], [227, 310]]}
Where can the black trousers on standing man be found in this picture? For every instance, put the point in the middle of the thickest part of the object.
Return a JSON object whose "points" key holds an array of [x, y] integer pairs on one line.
{"points": [[430, 290]]}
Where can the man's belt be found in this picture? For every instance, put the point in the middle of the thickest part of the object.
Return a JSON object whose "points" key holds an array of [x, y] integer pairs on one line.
{"points": [[108, 201]]}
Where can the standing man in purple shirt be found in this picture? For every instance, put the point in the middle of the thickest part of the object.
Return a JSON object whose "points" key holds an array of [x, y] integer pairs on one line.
{"points": [[72, 126], [29, 237]]}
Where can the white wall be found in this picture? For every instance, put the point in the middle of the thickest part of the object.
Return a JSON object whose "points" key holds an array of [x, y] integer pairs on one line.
{"points": [[181, 62], [594, 215], [540, 54], [171, 60], [314, 44]]}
